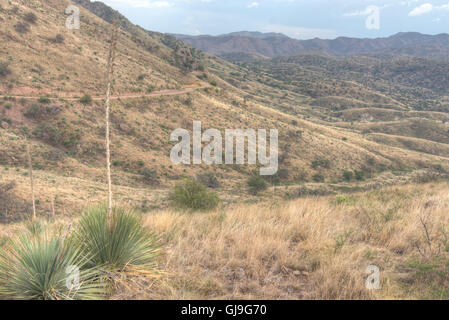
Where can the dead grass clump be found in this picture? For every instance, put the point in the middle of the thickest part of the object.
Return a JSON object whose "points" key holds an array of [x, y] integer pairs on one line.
{"points": [[12, 208]]}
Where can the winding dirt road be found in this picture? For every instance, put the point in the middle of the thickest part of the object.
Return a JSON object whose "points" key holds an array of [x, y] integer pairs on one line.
{"points": [[168, 92]]}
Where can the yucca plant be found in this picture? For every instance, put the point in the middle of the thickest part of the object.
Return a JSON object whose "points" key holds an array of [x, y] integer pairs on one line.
{"points": [[35, 227], [117, 243], [47, 268]]}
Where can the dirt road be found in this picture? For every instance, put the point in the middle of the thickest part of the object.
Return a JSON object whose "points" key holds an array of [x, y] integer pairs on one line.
{"points": [[168, 92]]}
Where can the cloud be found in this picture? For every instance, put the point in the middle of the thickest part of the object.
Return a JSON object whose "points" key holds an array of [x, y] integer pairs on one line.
{"points": [[253, 5], [427, 8], [141, 3], [422, 9], [368, 10]]}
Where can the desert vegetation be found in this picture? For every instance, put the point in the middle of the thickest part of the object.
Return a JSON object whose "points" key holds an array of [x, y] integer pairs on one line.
{"points": [[309, 248], [362, 179]]}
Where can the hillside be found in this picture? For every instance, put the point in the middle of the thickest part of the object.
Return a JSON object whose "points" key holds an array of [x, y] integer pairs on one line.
{"points": [[363, 159], [162, 84]]}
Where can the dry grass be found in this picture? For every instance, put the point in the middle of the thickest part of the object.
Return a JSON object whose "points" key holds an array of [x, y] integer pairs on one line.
{"points": [[315, 248], [310, 248]]}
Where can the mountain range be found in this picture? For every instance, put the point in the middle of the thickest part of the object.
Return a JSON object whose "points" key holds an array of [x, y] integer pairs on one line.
{"points": [[239, 46]]}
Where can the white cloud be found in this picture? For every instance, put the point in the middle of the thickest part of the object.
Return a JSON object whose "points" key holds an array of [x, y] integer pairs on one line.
{"points": [[427, 8], [422, 9], [368, 10], [141, 3], [253, 5]]}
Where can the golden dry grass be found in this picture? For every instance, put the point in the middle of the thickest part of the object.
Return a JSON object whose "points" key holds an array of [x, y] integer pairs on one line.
{"points": [[310, 248], [314, 248]]}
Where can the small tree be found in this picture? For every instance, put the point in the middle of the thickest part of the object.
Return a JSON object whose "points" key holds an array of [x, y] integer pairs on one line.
{"points": [[4, 69], [194, 196], [30, 17], [347, 175], [86, 99], [256, 184]]}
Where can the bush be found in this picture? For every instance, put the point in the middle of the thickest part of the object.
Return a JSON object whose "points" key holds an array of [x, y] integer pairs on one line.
{"points": [[256, 184], [194, 196], [118, 245], [86, 99], [149, 176], [58, 39], [38, 268], [4, 69], [318, 177], [347, 175], [359, 175], [30, 17], [35, 111], [44, 100], [209, 180], [22, 27], [321, 162], [57, 136]]}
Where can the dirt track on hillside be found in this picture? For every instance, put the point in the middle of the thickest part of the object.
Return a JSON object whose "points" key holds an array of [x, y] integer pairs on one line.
{"points": [[168, 92]]}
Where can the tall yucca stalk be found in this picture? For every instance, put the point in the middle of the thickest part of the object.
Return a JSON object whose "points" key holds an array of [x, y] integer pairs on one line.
{"points": [[38, 267], [30, 169], [110, 77]]}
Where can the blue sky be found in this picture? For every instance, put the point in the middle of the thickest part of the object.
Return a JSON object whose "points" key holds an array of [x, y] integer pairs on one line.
{"points": [[301, 19]]}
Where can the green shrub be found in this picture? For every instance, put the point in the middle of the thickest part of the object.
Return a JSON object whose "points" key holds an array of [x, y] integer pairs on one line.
{"points": [[44, 100], [318, 177], [57, 136], [22, 27], [256, 184], [35, 111], [86, 99], [30, 17], [149, 176], [359, 175], [120, 244], [347, 175], [4, 69], [194, 196], [321, 162], [39, 268], [209, 180], [35, 227], [58, 39]]}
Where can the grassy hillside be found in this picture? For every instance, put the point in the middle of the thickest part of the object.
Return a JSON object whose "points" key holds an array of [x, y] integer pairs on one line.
{"points": [[358, 138], [46, 80]]}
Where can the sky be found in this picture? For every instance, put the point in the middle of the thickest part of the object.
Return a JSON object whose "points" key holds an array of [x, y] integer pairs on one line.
{"points": [[300, 19]]}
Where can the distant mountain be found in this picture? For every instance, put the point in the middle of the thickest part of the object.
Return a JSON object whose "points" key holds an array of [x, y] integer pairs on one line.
{"points": [[272, 45]]}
